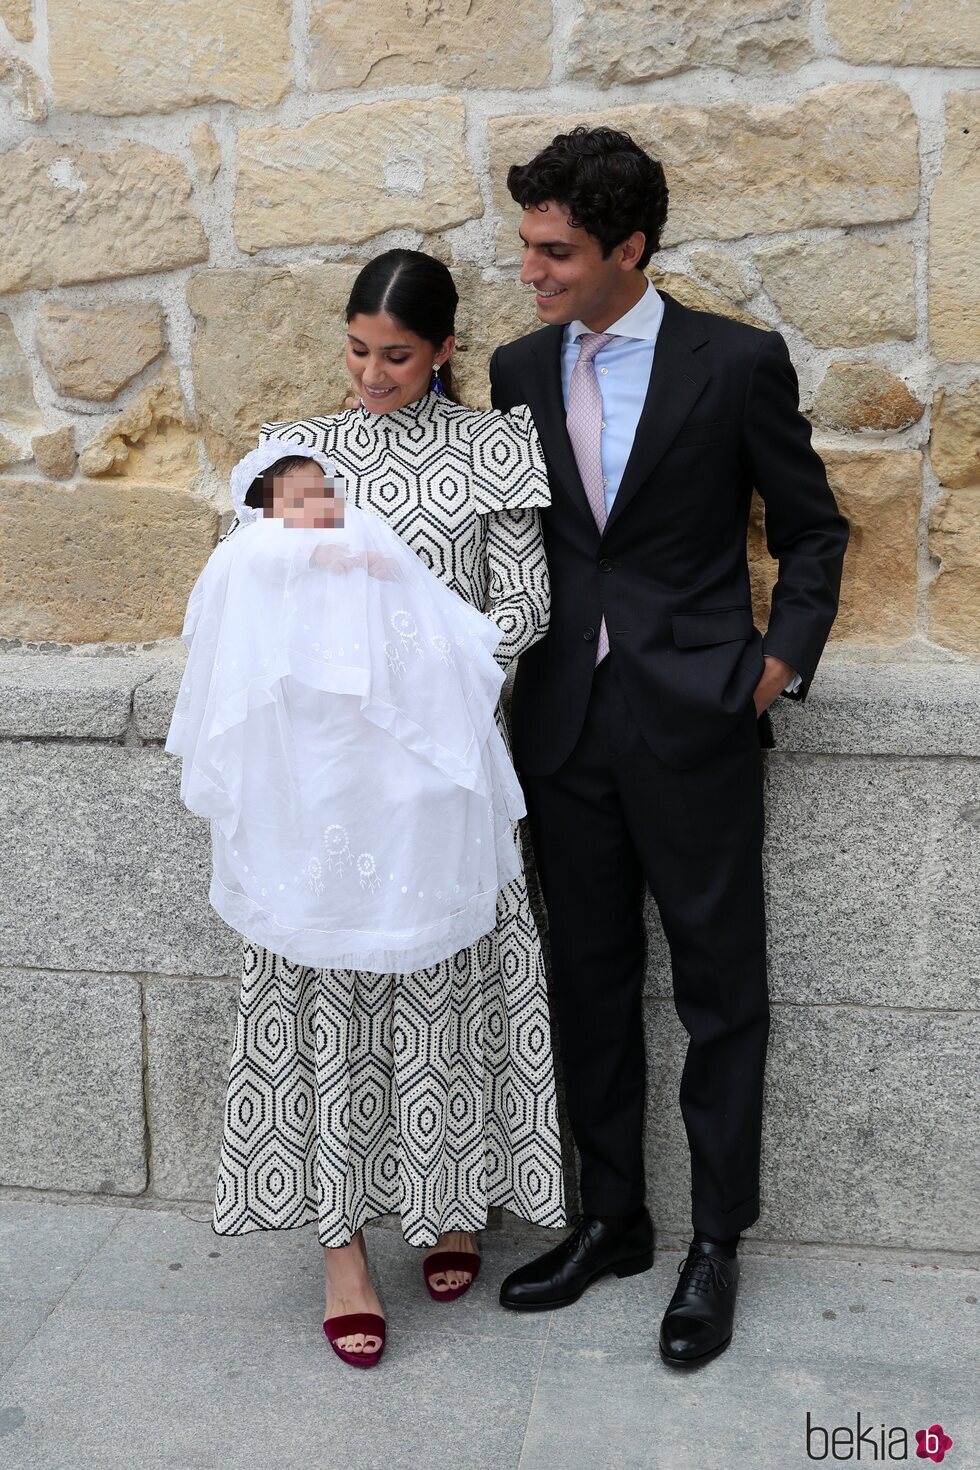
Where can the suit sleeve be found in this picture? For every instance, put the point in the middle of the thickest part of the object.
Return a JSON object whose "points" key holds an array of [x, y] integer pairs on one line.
{"points": [[805, 531]]}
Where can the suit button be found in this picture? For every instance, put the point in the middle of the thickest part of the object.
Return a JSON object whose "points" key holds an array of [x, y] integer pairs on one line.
{"points": [[605, 565], [589, 634]]}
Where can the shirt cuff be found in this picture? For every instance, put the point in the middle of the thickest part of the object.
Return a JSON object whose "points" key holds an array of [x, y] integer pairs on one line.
{"points": [[794, 685]]}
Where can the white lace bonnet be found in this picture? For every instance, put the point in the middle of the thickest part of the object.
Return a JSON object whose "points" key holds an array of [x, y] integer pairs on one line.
{"points": [[260, 459]]}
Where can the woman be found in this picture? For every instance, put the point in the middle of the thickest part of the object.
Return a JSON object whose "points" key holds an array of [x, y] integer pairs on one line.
{"points": [[354, 1095]]}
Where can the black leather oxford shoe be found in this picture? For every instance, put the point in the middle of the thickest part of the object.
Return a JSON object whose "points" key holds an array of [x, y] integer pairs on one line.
{"points": [[593, 1249], [698, 1322]]}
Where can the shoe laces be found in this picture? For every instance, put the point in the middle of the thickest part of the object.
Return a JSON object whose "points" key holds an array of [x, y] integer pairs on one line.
{"points": [[705, 1273]]}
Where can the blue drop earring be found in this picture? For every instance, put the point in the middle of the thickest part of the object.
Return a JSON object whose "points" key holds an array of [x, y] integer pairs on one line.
{"points": [[436, 380]]}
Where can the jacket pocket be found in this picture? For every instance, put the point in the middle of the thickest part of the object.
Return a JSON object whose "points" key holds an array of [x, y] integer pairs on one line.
{"points": [[727, 625], [696, 436]]}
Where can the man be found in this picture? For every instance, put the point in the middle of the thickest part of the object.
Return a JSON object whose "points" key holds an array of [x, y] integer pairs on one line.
{"points": [[636, 719]]}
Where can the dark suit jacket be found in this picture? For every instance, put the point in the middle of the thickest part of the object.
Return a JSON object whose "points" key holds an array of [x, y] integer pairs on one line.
{"points": [[670, 571]]}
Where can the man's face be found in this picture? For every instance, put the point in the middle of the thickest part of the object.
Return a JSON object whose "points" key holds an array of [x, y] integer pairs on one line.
{"points": [[303, 498], [565, 265]]}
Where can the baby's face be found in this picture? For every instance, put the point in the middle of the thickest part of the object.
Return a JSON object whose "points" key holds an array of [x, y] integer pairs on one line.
{"points": [[304, 498]]}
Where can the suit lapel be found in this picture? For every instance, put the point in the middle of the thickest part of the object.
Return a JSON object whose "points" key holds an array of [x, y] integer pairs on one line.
{"points": [[677, 381]]}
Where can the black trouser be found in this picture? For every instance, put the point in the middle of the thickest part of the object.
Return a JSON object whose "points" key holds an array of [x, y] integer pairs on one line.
{"points": [[612, 818]]}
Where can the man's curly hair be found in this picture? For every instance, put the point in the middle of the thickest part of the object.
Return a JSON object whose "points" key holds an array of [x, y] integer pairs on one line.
{"points": [[609, 186]]}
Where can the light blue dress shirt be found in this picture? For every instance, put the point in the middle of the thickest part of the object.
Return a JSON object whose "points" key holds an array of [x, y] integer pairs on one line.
{"points": [[623, 370]]}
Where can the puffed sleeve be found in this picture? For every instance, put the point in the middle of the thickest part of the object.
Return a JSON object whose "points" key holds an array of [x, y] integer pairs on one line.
{"points": [[509, 471]]}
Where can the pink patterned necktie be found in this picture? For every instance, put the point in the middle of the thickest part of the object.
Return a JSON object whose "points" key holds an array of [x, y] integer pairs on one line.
{"points": [[584, 423]]}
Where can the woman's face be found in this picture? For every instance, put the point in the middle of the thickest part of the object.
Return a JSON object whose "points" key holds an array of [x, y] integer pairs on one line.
{"points": [[388, 364]]}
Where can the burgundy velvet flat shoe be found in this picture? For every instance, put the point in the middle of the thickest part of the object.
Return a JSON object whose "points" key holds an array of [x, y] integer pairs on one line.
{"points": [[368, 1323], [450, 1261]]}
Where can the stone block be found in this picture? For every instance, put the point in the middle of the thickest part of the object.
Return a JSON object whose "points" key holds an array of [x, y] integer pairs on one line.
{"points": [[955, 444], [954, 252], [70, 214], [690, 293], [633, 41], [190, 1030], [883, 709], [237, 388], [18, 406], [71, 1080], [207, 153], [860, 857], [103, 868], [879, 491], [59, 695], [347, 176], [150, 439], [906, 32], [125, 56], [54, 453], [155, 698], [866, 1137], [125, 556], [722, 273], [865, 395], [840, 155], [92, 352], [466, 43], [844, 292], [954, 594], [24, 88], [16, 16]]}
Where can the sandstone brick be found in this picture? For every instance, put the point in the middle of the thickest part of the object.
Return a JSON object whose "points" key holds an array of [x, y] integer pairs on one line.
{"points": [[954, 594], [123, 56], [906, 32], [240, 381], [18, 407], [955, 445], [844, 292], [880, 492], [396, 43], [632, 40], [954, 251], [70, 214], [722, 272], [840, 155], [54, 453], [348, 176], [92, 352], [150, 439], [865, 395], [99, 562], [207, 153], [16, 16], [691, 293], [25, 88]]}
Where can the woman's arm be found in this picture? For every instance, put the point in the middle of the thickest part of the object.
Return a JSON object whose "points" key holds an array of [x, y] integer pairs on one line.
{"points": [[519, 592]]}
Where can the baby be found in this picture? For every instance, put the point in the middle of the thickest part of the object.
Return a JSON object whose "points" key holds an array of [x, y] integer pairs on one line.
{"points": [[339, 732]]}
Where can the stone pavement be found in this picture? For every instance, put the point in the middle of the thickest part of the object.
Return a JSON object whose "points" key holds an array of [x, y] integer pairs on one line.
{"points": [[136, 1339]]}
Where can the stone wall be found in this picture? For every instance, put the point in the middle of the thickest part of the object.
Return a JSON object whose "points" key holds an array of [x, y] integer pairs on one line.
{"points": [[119, 984], [186, 192]]}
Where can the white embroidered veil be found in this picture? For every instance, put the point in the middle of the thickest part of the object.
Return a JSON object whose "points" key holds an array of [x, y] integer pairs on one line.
{"points": [[336, 724]]}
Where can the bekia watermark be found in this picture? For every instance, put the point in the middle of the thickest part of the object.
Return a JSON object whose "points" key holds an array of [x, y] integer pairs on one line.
{"points": [[870, 1443]]}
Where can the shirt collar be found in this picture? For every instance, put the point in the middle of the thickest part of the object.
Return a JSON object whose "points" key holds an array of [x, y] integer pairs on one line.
{"points": [[642, 321]]}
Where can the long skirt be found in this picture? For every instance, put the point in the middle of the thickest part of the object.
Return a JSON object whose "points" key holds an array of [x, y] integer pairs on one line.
{"points": [[430, 1095]]}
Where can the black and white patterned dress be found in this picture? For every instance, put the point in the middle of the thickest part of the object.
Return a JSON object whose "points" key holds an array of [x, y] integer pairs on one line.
{"points": [[430, 1095]]}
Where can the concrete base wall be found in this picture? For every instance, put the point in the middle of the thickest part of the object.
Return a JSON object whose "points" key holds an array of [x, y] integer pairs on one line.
{"points": [[118, 983]]}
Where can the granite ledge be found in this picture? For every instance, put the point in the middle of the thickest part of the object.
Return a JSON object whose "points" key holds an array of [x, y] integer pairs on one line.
{"points": [[912, 709]]}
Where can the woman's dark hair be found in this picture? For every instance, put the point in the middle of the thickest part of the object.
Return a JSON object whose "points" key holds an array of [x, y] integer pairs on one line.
{"points": [[609, 186], [418, 291], [260, 495]]}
